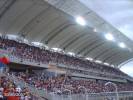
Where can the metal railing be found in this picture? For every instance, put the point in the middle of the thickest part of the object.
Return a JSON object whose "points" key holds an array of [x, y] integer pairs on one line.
{"points": [[95, 96]]}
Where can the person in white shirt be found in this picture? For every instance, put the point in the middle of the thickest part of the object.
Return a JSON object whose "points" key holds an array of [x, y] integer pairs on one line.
{"points": [[18, 89]]}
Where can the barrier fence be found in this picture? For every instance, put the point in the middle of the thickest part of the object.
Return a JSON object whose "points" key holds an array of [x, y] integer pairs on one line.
{"points": [[94, 96]]}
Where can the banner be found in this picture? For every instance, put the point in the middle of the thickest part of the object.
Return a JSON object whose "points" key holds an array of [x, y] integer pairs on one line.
{"points": [[4, 56], [6, 52], [3, 53]]}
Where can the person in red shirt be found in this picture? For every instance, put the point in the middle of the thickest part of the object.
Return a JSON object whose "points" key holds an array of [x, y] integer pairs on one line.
{"points": [[4, 60], [13, 98], [11, 94]]}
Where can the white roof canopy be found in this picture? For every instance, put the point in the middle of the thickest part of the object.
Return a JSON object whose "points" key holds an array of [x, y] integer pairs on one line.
{"points": [[52, 22]]}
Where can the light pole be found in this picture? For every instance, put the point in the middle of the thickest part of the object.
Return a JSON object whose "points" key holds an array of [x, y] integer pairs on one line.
{"points": [[86, 93], [116, 89]]}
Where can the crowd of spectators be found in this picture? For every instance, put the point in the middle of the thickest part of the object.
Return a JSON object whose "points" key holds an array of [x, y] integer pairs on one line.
{"points": [[10, 91], [60, 83], [39, 55], [95, 74]]}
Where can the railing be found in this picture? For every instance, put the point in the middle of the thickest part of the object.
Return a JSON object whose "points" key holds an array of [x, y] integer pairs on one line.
{"points": [[94, 96]]}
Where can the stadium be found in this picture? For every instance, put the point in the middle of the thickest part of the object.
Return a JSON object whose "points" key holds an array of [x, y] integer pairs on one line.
{"points": [[66, 49]]}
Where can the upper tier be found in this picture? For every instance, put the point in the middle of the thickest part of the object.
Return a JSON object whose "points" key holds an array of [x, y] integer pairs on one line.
{"points": [[35, 54]]}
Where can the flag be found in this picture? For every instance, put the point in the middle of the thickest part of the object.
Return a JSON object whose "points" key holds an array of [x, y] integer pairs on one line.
{"points": [[5, 60], [4, 56]]}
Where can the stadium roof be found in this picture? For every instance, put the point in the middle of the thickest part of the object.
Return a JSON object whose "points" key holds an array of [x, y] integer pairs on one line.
{"points": [[53, 23], [119, 13]]}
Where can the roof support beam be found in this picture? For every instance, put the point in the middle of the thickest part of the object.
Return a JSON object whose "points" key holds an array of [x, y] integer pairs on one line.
{"points": [[106, 50], [88, 45], [99, 44], [72, 40], [110, 56], [123, 63], [58, 30], [8, 4], [119, 58], [31, 23]]}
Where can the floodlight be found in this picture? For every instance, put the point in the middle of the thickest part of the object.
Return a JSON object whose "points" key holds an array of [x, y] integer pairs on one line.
{"points": [[71, 53], [109, 37], [122, 45], [80, 20], [57, 49], [37, 43], [106, 64], [98, 61], [88, 58]]}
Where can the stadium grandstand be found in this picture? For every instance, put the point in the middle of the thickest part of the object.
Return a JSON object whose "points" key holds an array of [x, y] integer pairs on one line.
{"points": [[66, 49]]}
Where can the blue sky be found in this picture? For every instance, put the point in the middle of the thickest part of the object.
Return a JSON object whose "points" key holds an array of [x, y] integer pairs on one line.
{"points": [[128, 68]]}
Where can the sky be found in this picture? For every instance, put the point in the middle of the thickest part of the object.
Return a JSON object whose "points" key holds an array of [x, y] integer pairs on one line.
{"points": [[128, 68]]}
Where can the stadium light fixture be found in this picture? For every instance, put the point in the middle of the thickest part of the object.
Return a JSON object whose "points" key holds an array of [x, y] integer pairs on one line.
{"points": [[46, 47], [112, 66], [122, 45], [57, 49], [109, 37], [80, 20], [26, 41], [106, 64], [98, 61], [71, 53], [37, 43], [88, 58]]}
